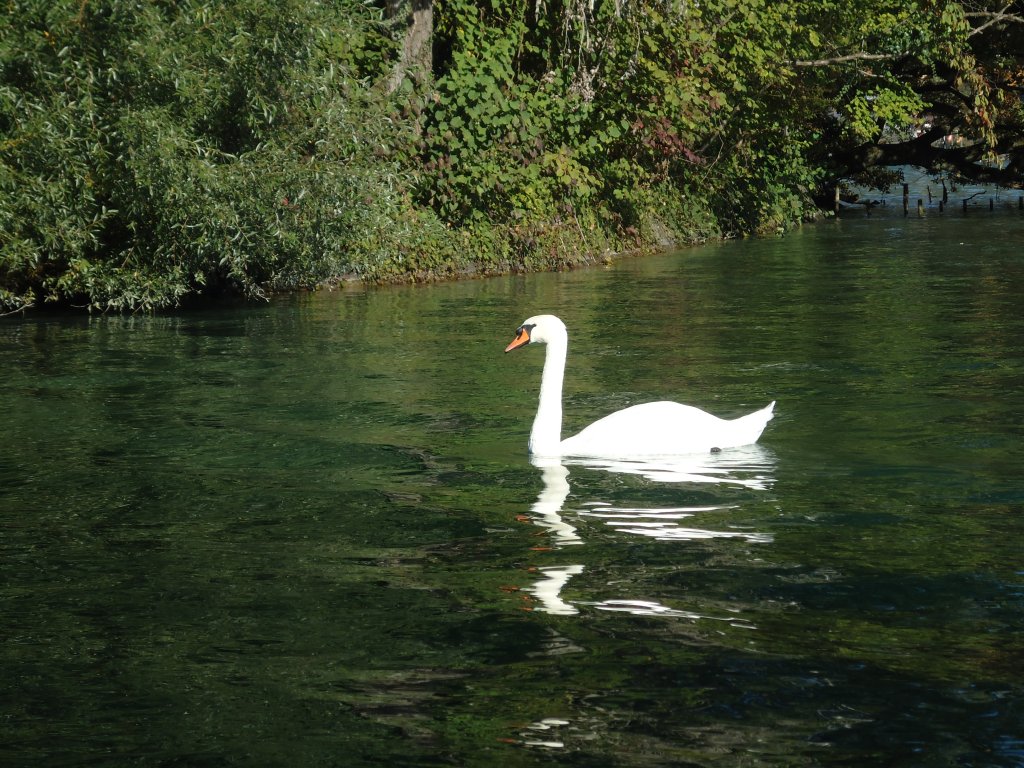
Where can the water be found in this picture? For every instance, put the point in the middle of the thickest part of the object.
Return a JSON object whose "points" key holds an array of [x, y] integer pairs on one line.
{"points": [[308, 533]]}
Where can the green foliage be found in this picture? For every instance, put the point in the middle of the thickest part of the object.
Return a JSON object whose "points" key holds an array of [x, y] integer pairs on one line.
{"points": [[152, 151], [495, 139], [897, 108], [546, 110]]}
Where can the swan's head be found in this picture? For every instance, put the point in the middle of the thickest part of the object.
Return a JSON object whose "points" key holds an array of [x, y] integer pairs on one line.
{"points": [[539, 329]]}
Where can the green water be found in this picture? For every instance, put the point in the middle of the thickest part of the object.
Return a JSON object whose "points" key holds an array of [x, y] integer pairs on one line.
{"points": [[308, 534]]}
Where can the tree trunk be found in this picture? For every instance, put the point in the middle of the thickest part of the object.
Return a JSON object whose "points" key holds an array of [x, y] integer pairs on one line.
{"points": [[416, 60]]}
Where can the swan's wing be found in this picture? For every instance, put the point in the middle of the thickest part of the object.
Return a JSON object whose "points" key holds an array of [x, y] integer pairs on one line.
{"points": [[664, 428], [647, 429]]}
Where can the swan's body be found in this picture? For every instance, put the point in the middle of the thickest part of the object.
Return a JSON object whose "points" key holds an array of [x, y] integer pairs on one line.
{"points": [[652, 429]]}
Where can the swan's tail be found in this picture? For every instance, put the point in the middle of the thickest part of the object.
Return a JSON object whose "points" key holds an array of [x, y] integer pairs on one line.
{"points": [[748, 428]]}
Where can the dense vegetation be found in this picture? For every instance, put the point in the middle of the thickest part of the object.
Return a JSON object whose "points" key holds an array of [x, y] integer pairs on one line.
{"points": [[152, 151]]}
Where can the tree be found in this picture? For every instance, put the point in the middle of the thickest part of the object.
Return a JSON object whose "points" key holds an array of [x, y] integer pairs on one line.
{"points": [[150, 151], [416, 59], [931, 84], [154, 151]]}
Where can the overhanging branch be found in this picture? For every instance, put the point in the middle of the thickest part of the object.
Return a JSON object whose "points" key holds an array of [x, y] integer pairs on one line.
{"points": [[994, 17], [967, 160], [861, 56]]}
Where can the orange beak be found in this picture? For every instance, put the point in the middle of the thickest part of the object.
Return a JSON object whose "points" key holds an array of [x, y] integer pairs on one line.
{"points": [[522, 339]]}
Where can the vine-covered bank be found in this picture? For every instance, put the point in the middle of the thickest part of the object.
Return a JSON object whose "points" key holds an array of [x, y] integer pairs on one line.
{"points": [[151, 152]]}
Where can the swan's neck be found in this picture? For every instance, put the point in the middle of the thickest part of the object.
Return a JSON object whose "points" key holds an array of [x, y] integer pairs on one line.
{"points": [[546, 435]]}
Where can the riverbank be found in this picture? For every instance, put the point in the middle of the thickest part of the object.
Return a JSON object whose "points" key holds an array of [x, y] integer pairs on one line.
{"points": [[149, 159]]}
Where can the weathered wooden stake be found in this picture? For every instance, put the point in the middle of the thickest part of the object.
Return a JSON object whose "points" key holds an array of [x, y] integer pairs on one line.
{"points": [[920, 209], [991, 204], [965, 206], [906, 199]]}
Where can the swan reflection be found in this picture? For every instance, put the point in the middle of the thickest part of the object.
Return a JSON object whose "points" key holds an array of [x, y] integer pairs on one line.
{"points": [[662, 524], [548, 507], [548, 590], [750, 468]]}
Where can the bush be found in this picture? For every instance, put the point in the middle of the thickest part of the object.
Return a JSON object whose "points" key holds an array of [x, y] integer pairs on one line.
{"points": [[151, 151]]}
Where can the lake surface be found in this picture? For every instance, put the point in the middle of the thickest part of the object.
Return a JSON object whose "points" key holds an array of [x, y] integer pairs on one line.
{"points": [[308, 533]]}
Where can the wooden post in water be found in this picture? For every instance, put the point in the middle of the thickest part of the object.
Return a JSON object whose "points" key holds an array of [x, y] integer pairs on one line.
{"points": [[965, 205], [991, 204], [906, 199], [1020, 203], [920, 209], [945, 194], [835, 202], [942, 205]]}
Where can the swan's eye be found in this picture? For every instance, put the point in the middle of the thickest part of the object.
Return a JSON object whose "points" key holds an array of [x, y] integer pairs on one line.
{"points": [[522, 337], [524, 333]]}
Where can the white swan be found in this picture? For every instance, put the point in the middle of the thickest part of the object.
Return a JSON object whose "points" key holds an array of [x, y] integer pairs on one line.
{"points": [[652, 429]]}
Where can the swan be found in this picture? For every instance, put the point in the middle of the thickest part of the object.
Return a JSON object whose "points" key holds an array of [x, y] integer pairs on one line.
{"points": [[651, 429]]}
